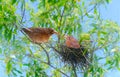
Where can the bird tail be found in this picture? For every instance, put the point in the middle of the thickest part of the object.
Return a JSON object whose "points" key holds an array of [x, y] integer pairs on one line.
{"points": [[26, 30]]}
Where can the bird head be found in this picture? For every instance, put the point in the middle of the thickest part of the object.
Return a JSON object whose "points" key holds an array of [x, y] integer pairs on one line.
{"points": [[67, 37], [52, 31], [71, 42]]}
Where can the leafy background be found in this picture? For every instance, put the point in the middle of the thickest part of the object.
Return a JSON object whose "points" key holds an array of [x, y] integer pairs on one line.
{"points": [[16, 43]]}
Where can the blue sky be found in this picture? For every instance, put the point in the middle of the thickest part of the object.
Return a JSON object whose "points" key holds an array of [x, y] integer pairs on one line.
{"points": [[111, 12]]}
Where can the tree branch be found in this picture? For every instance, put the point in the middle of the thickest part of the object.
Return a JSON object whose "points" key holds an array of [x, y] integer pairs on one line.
{"points": [[23, 11], [74, 69], [61, 17], [48, 58], [31, 55], [55, 68], [89, 11], [48, 63]]}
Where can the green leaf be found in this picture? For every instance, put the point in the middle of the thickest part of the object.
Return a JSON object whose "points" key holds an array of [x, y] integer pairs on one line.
{"points": [[95, 11], [86, 74], [0, 7], [32, 0], [8, 67], [104, 32], [0, 50], [89, 15], [56, 73], [27, 64], [17, 71], [14, 1], [108, 1], [14, 73]]}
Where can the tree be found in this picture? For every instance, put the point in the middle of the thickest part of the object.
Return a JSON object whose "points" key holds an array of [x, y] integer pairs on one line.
{"points": [[80, 18]]}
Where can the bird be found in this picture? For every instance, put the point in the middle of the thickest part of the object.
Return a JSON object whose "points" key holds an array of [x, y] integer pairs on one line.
{"points": [[71, 42], [39, 35]]}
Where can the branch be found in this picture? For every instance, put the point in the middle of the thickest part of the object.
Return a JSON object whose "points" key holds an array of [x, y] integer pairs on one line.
{"points": [[74, 69], [61, 16], [55, 68], [48, 63], [31, 55], [92, 53], [102, 46], [23, 11], [89, 10], [48, 58]]}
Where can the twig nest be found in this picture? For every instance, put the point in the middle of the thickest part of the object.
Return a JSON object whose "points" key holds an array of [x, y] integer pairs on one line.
{"points": [[76, 56]]}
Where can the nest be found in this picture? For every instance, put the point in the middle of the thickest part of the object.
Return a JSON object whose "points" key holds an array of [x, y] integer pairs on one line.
{"points": [[72, 56]]}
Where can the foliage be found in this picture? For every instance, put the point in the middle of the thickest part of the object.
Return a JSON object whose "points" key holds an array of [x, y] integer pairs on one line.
{"points": [[80, 18], [7, 19]]}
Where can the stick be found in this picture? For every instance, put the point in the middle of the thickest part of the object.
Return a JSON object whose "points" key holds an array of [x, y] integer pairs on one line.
{"points": [[48, 58], [74, 69]]}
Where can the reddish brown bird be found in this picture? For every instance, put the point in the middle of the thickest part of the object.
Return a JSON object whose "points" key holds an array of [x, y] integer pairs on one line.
{"points": [[71, 42], [39, 35]]}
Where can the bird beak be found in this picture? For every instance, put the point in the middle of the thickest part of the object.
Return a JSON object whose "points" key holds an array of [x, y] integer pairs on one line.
{"points": [[65, 36], [55, 32]]}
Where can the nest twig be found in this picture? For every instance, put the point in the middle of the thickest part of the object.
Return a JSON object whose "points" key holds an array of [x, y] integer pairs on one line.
{"points": [[72, 56]]}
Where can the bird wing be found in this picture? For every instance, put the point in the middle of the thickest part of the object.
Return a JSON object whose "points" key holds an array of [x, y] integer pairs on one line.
{"points": [[36, 30], [27, 30]]}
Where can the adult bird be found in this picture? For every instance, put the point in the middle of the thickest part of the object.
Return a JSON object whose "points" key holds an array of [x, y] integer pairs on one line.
{"points": [[71, 42], [39, 35]]}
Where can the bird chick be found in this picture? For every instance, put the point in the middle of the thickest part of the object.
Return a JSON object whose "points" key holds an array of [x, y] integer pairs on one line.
{"points": [[71, 42], [39, 35]]}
